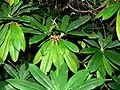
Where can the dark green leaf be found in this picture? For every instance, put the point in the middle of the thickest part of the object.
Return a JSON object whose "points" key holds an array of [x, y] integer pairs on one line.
{"points": [[89, 50], [65, 22]]}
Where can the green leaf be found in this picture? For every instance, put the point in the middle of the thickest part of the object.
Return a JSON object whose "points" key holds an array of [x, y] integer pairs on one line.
{"points": [[71, 60], [100, 14], [91, 84], [89, 50], [114, 86], [107, 66], [92, 42], [17, 37], [16, 1], [25, 85], [11, 2], [65, 22], [116, 79], [58, 59], [95, 61], [4, 48], [113, 56], [37, 57], [110, 11], [40, 77], [76, 33], [3, 33], [75, 24], [70, 46], [77, 79], [118, 25], [10, 70], [46, 63], [14, 53], [113, 44], [37, 38]]}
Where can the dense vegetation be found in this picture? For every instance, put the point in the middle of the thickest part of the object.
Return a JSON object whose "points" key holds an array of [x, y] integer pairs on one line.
{"points": [[59, 44]]}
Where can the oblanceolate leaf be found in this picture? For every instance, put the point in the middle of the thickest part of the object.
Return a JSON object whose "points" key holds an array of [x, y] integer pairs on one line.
{"points": [[65, 22], [77, 79], [95, 61], [118, 25], [46, 63], [10, 70], [37, 38], [75, 24], [89, 50], [4, 48], [14, 53], [40, 77], [70, 46], [71, 60], [114, 86], [3, 33], [113, 44], [107, 66], [113, 56], [37, 57], [110, 11], [91, 84], [17, 37], [25, 85]]}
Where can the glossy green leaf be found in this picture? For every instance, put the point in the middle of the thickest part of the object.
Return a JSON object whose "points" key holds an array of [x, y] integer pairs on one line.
{"points": [[91, 84], [46, 63], [11, 71], [71, 60], [58, 59], [14, 53], [113, 56], [25, 85], [114, 86], [40, 77], [3, 33], [95, 61], [77, 79], [37, 38], [111, 10], [113, 44], [16, 1], [89, 50], [70, 46], [107, 66], [17, 37], [65, 22], [75, 24], [91, 42], [118, 25], [4, 48], [37, 57]]}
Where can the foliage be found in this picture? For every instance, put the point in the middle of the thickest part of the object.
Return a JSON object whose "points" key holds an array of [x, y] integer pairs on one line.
{"points": [[59, 44]]}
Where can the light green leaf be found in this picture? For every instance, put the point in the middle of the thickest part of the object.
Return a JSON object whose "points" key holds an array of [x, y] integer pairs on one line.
{"points": [[110, 11], [46, 63], [118, 25], [70, 46], [11, 2], [95, 61], [37, 57], [77, 79], [71, 60], [75, 24], [14, 53], [91, 84], [4, 48], [65, 22], [37, 38], [3, 33], [40, 77], [10, 70], [16, 1], [25, 85]]}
